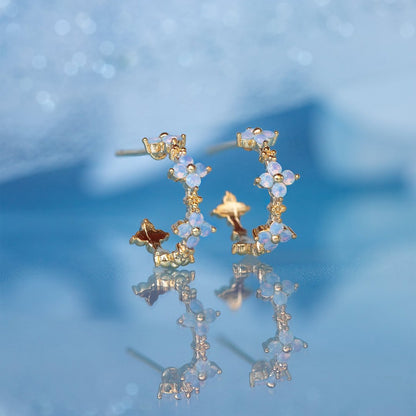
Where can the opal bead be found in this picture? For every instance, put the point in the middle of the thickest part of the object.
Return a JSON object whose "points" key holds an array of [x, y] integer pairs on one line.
{"points": [[184, 230], [275, 346], [272, 278], [288, 177], [153, 140], [192, 241], [260, 138], [210, 315], [266, 180], [193, 179], [288, 286], [196, 306], [276, 228], [267, 289], [186, 160], [280, 298], [205, 229], [168, 139], [264, 237], [285, 236], [279, 190], [196, 219], [188, 319], [283, 356], [179, 171], [269, 246], [247, 134], [201, 169], [273, 168], [285, 337], [268, 134], [297, 344], [191, 377], [206, 367]]}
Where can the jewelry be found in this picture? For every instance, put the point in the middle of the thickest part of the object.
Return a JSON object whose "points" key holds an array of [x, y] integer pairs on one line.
{"points": [[283, 344], [193, 226], [189, 378], [266, 237]]}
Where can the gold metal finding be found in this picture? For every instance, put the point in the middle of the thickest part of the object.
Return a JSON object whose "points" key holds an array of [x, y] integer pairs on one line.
{"points": [[232, 210]]}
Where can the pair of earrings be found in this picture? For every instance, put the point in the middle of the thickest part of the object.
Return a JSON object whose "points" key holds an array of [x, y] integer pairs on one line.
{"points": [[265, 238]]}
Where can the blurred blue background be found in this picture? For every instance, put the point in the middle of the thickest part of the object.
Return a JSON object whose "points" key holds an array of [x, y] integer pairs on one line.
{"points": [[80, 80]]}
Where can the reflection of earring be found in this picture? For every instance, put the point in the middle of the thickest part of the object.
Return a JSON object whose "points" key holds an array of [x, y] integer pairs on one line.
{"points": [[267, 236], [189, 378], [283, 344], [193, 226]]}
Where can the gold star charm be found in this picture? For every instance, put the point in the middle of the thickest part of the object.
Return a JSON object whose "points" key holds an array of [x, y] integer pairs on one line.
{"points": [[192, 199], [200, 346], [276, 208], [149, 236]]}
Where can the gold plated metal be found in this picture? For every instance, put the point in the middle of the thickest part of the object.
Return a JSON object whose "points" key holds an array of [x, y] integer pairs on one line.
{"points": [[264, 238], [193, 226], [232, 210], [190, 377], [283, 344]]}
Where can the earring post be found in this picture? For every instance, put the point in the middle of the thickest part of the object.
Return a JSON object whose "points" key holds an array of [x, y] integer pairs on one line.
{"points": [[143, 358], [221, 147], [137, 152], [231, 346]]}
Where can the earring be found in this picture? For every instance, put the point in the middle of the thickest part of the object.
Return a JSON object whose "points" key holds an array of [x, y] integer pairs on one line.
{"points": [[189, 378], [193, 226], [266, 237], [283, 344]]}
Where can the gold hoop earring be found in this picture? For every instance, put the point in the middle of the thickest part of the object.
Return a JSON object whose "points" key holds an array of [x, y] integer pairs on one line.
{"points": [[193, 226], [266, 237]]}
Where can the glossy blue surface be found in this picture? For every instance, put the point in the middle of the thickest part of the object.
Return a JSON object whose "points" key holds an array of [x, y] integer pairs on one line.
{"points": [[68, 313]]}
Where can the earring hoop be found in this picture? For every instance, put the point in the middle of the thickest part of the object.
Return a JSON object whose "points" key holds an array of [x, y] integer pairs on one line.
{"points": [[283, 344], [266, 237], [190, 229], [189, 378]]}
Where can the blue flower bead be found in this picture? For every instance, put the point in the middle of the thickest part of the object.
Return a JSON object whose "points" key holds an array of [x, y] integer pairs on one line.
{"points": [[193, 178], [195, 220]]}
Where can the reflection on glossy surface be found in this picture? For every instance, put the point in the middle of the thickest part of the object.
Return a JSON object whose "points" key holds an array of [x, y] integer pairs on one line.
{"points": [[283, 344], [190, 377]]}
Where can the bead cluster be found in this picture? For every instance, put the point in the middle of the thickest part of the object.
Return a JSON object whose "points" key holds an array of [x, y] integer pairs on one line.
{"points": [[193, 227]]}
